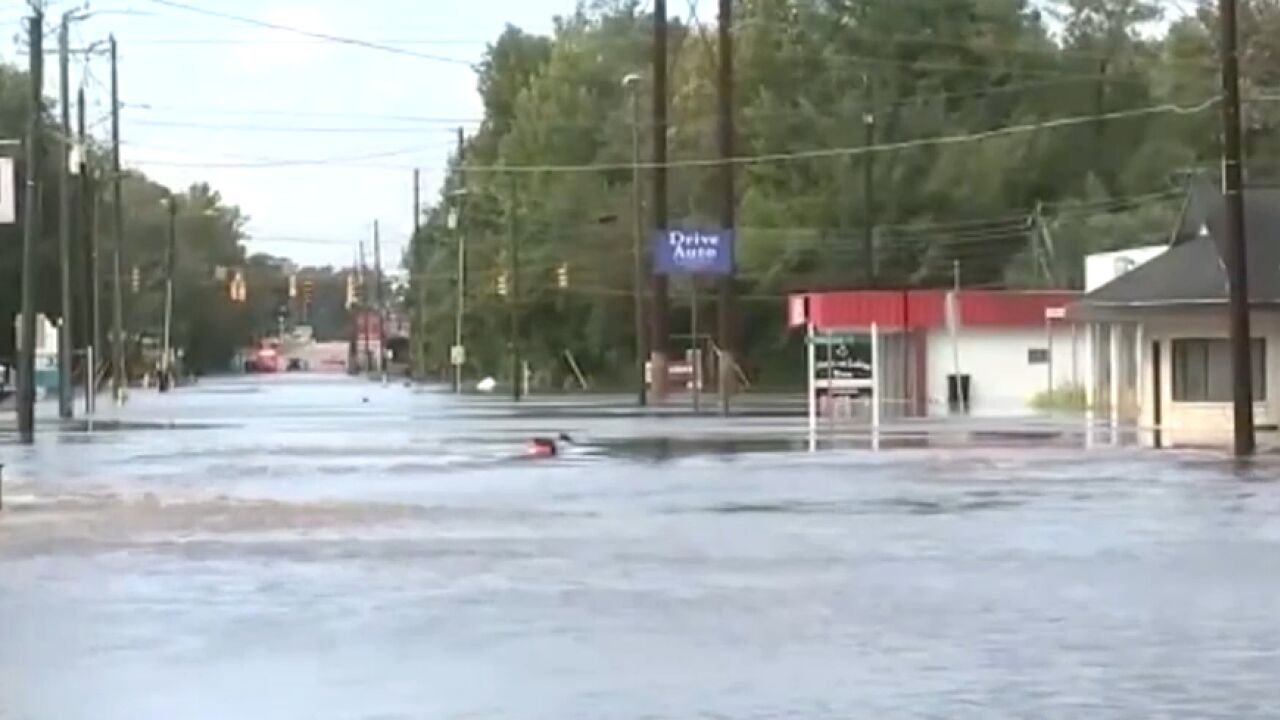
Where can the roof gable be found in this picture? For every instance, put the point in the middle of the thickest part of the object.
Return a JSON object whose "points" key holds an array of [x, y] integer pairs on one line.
{"points": [[1193, 270]]}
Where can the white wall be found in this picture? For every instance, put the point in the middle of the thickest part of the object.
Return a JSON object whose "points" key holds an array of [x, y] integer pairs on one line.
{"points": [[1003, 381], [1204, 422], [1102, 268]]}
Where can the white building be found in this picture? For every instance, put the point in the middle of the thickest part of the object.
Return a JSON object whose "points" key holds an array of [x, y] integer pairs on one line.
{"points": [[1007, 347], [1160, 355]]}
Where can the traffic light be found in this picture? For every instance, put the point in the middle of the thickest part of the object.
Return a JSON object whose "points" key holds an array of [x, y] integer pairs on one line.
{"points": [[135, 279], [308, 290], [351, 290], [562, 276], [502, 284]]}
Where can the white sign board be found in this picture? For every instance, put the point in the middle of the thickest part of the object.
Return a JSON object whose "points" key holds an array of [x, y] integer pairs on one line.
{"points": [[458, 355], [8, 192], [1055, 313]]}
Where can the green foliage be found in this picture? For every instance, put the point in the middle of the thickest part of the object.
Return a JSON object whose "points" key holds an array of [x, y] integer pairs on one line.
{"points": [[810, 75], [210, 233], [1069, 398]]}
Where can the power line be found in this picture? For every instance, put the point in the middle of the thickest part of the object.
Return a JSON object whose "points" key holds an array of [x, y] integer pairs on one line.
{"points": [[303, 113], [1165, 108], [284, 128], [338, 39], [298, 162], [310, 41]]}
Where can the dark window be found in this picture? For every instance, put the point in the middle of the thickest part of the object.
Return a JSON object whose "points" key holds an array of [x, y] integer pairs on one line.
{"points": [[1202, 370], [1037, 356]]}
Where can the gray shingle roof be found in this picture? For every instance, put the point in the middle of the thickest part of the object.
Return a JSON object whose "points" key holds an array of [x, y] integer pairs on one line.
{"points": [[1192, 271]]}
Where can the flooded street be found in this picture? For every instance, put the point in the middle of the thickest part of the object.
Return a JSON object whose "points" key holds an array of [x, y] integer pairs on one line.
{"points": [[330, 549]]}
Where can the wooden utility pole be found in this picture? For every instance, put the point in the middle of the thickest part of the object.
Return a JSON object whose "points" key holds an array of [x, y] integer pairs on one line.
{"points": [[88, 236], [419, 281], [460, 305], [119, 340], [868, 199], [362, 323], [727, 321], [659, 315], [378, 299], [513, 271], [32, 231], [66, 347], [632, 84], [170, 263], [1236, 255]]}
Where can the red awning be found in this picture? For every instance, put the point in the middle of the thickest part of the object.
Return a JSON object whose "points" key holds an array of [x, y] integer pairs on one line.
{"points": [[915, 309]]}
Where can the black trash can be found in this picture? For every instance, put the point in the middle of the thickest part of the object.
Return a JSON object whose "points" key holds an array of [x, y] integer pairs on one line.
{"points": [[958, 394]]}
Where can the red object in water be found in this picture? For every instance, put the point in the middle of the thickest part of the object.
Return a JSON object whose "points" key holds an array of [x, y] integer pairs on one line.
{"points": [[268, 360], [541, 447]]}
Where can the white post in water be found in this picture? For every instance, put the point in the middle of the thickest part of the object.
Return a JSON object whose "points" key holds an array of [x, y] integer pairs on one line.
{"points": [[1115, 381], [1090, 380], [875, 385], [811, 366], [90, 381]]}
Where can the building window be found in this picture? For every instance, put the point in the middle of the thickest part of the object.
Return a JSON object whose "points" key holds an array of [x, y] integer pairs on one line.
{"points": [[1202, 370], [1037, 356]]}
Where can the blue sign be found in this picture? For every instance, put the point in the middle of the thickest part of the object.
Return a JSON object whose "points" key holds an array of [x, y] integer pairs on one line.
{"points": [[693, 252]]}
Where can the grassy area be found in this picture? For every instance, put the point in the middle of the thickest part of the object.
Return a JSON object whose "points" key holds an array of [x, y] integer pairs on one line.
{"points": [[1068, 398]]}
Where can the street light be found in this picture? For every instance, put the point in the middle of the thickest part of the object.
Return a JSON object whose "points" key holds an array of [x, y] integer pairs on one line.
{"points": [[632, 83]]}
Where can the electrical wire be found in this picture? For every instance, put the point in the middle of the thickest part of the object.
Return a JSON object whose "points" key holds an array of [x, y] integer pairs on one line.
{"points": [[855, 151], [337, 39], [348, 160], [284, 128]]}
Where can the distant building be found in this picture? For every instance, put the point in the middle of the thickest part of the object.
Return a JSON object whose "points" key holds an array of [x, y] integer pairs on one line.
{"points": [[46, 359], [1158, 334], [1102, 268]]}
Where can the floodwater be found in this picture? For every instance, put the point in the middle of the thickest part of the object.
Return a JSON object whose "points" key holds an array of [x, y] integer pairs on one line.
{"points": [[330, 549]]}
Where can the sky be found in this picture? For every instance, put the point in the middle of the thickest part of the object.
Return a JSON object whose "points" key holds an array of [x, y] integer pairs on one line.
{"points": [[313, 140]]}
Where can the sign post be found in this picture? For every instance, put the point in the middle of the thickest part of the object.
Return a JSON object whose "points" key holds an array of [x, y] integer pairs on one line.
{"points": [[693, 252]]}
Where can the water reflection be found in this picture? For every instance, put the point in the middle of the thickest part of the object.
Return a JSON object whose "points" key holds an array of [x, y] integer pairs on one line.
{"points": [[302, 554]]}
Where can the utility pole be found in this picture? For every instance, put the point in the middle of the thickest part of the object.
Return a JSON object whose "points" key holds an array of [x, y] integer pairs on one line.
{"points": [[166, 366], [119, 337], [1237, 260], [632, 83], [382, 308], [727, 322], [460, 280], [31, 234], [868, 198], [65, 344], [419, 282], [659, 316], [88, 206], [513, 273], [364, 312]]}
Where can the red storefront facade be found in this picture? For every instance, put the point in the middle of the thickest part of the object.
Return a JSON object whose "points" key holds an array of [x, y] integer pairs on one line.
{"points": [[1004, 342]]}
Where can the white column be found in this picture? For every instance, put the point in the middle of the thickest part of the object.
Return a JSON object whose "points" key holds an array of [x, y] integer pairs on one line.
{"points": [[1139, 376], [1115, 376], [875, 382], [811, 366], [1090, 378]]}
